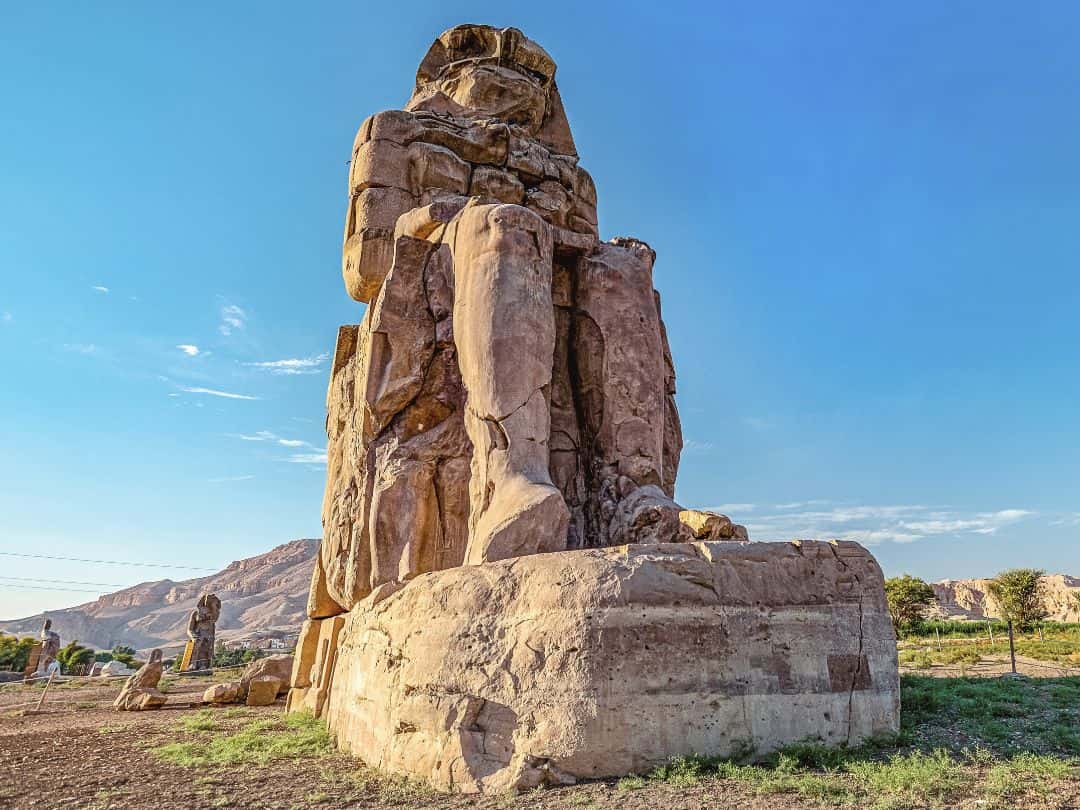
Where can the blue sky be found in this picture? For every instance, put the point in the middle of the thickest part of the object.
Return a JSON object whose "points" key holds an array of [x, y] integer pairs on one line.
{"points": [[866, 221]]}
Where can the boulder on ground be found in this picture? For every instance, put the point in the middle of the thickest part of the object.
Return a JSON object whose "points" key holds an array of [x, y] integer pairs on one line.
{"points": [[277, 666], [263, 690], [140, 690], [228, 692]]}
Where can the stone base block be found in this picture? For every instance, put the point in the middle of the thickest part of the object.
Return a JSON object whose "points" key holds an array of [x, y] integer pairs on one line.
{"points": [[605, 662]]}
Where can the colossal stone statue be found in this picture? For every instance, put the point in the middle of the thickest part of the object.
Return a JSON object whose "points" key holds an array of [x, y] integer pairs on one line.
{"points": [[201, 630], [506, 592], [510, 390]]}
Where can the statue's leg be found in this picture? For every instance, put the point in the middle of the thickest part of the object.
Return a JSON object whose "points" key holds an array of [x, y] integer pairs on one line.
{"points": [[504, 328]]}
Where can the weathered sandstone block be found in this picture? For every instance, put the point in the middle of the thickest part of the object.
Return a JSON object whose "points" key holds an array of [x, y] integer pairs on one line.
{"points": [[605, 662], [140, 691]]}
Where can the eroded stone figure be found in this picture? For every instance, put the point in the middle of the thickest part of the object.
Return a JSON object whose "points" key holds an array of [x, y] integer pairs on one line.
{"points": [[201, 630], [510, 389], [140, 691], [50, 646], [509, 392]]}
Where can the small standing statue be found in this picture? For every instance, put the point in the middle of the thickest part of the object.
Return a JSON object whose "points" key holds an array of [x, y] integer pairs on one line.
{"points": [[50, 646], [201, 631], [140, 691]]}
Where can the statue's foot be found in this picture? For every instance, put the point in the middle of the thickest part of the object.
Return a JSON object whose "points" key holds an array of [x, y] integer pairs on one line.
{"points": [[523, 518]]}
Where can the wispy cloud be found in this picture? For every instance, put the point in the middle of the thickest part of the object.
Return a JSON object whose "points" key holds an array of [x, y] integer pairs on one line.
{"points": [[757, 422], [6, 317], [293, 365], [190, 349], [695, 446], [230, 478], [233, 318], [214, 393], [871, 525], [307, 458], [81, 348], [100, 289], [732, 509], [267, 436]]}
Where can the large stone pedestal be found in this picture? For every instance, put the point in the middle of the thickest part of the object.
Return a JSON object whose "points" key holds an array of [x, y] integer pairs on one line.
{"points": [[605, 662]]}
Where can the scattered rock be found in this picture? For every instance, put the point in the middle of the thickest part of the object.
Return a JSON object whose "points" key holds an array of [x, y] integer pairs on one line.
{"points": [[277, 666], [227, 692], [263, 690], [140, 690]]}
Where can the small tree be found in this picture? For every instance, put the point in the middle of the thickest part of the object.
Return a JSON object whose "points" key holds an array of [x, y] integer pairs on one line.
{"points": [[1020, 596], [909, 598], [74, 655], [15, 652], [1076, 603], [124, 654]]}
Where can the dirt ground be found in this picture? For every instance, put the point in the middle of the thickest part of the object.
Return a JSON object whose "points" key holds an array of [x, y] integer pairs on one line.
{"points": [[79, 753]]}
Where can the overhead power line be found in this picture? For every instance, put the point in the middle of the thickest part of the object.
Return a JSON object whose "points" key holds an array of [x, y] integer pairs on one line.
{"points": [[105, 562], [66, 581], [43, 588]]}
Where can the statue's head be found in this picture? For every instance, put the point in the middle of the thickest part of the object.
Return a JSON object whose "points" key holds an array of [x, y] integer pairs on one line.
{"points": [[477, 71], [155, 657], [209, 607], [48, 624]]}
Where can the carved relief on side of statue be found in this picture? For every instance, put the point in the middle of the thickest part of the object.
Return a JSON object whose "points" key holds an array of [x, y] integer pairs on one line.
{"points": [[201, 630], [510, 390]]}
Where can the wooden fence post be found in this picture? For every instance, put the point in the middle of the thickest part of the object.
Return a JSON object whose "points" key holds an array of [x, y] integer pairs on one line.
{"points": [[1012, 647]]}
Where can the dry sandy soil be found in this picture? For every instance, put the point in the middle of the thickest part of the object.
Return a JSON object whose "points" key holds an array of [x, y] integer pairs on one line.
{"points": [[79, 753]]}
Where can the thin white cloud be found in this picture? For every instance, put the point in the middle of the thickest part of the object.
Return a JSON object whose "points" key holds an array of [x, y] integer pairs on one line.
{"points": [[732, 508], [100, 289], [230, 478], [6, 317], [190, 349], [695, 446], [293, 365], [81, 348], [214, 393], [757, 422], [233, 318], [872, 525], [307, 458], [267, 436]]}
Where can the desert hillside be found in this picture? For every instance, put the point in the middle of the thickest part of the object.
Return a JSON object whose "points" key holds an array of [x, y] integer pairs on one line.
{"points": [[262, 595], [970, 599]]}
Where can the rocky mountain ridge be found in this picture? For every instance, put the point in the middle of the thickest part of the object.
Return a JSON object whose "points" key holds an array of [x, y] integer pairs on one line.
{"points": [[264, 595], [970, 598]]}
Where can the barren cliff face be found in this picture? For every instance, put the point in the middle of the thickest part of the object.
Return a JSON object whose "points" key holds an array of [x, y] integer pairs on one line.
{"points": [[970, 598]]}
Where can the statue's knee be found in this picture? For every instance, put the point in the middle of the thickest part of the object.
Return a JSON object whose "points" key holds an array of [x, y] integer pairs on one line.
{"points": [[494, 225]]}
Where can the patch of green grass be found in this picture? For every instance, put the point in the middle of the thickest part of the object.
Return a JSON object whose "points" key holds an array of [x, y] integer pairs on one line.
{"points": [[295, 735], [914, 779], [1026, 773], [202, 720], [631, 783]]}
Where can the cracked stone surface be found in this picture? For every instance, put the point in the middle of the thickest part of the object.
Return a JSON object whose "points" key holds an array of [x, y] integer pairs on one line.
{"points": [[603, 662], [506, 406]]}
